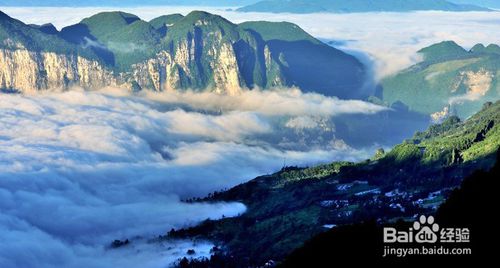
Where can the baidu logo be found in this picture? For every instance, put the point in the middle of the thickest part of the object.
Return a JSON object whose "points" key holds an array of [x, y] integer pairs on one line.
{"points": [[426, 230], [422, 238]]}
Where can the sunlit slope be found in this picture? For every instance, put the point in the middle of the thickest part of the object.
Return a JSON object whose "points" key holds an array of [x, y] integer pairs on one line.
{"points": [[449, 81]]}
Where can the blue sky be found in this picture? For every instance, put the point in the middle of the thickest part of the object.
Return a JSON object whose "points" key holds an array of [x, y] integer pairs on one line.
{"points": [[124, 2]]}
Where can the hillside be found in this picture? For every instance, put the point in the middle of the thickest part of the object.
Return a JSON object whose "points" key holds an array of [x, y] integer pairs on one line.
{"points": [[348, 6], [289, 207], [467, 207], [449, 81], [15, 34], [198, 51]]}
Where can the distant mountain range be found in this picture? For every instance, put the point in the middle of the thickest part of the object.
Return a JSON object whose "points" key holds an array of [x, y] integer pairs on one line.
{"points": [[449, 81], [200, 51], [347, 6]]}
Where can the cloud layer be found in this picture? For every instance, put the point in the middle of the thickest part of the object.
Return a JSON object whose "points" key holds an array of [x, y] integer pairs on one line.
{"points": [[80, 169]]}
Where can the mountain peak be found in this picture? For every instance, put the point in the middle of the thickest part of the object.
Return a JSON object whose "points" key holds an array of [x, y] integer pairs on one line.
{"points": [[3, 15], [201, 22], [443, 50], [101, 26], [478, 48], [111, 17], [278, 30], [165, 20], [47, 28], [203, 17], [491, 48]]}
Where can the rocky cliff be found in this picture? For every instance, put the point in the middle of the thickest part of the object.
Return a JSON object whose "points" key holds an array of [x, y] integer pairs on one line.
{"points": [[199, 51], [30, 71]]}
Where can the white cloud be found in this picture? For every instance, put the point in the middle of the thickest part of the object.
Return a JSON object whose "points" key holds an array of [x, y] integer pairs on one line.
{"points": [[24, 245], [287, 101], [80, 169], [232, 126], [91, 43]]}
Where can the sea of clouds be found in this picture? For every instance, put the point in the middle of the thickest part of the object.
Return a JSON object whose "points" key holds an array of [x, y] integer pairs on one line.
{"points": [[80, 169]]}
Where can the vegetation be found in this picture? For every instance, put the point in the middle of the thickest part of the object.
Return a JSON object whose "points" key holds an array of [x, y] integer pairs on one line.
{"points": [[289, 207], [125, 36], [284, 31], [449, 79], [267, 53], [14, 34], [162, 23], [446, 50], [467, 207]]}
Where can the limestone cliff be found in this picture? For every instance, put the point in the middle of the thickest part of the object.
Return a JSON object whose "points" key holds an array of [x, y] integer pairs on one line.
{"points": [[30, 71], [183, 67], [200, 51]]}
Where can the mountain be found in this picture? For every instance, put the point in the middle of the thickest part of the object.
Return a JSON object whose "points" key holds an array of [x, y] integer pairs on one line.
{"points": [[122, 3], [450, 80], [291, 206], [348, 6], [198, 51], [34, 57]]}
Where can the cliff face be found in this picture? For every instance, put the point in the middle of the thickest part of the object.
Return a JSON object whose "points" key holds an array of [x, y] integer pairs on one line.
{"points": [[200, 51], [184, 68], [29, 71], [204, 51]]}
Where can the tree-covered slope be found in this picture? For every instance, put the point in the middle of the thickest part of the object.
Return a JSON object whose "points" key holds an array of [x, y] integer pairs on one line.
{"points": [[468, 206], [123, 38], [347, 6], [15, 34], [305, 62], [161, 23], [449, 80], [289, 207]]}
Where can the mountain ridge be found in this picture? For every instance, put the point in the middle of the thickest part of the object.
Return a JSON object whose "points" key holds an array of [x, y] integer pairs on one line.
{"points": [[198, 51]]}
